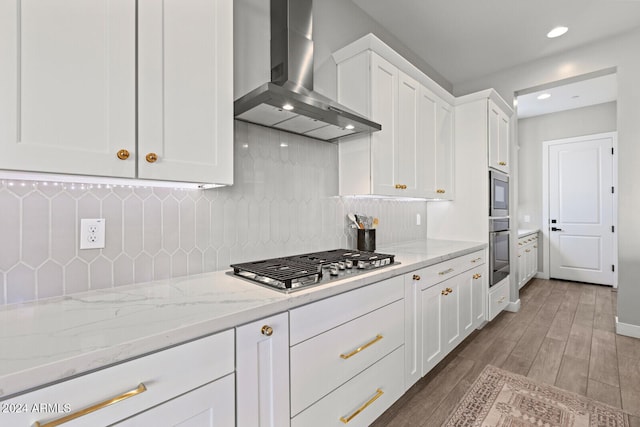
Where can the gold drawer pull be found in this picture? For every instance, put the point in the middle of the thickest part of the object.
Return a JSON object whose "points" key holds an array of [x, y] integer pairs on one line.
{"points": [[527, 250], [442, 273], [444, 292], [502, 163], [477, 276], [440, 191], [140, 389], [359, 349], [401, 187], [416, 277], [449, 290], [363, 407], [476, 260]]}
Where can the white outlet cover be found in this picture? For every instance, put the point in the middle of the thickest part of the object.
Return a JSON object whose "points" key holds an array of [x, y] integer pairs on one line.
{"points": [[92, 233]]}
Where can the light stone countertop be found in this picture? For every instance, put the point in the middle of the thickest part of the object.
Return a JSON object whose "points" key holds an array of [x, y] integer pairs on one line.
{"points": [[526, 231], [50, 340]]}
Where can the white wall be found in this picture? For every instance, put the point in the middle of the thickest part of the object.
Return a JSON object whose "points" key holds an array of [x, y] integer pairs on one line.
{"points": [[622, 52], [336, 23]]}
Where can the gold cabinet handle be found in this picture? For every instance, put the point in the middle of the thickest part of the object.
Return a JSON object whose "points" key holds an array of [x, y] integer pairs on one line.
{"points": [[123, 154], [140, 389], [501, 300], [477, 276], [363, 407], [444, 292], [502, 163], [416, 277], [401, 186], [359, 349], [151, 157], [440, 191], [442, 273], [476, 260], [266, 330], [449, 290], [527, 250]]}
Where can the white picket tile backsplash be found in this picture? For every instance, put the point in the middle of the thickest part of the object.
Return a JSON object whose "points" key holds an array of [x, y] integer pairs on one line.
{"points": [[283, 202]]}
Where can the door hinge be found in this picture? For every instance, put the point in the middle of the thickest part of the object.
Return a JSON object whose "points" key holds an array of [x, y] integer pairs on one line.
{"points": [[613, 267], [613, 228], [612, 151], [612, 190]]}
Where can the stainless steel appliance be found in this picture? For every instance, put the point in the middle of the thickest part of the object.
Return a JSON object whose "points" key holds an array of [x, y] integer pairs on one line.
{"points": [[288, 102], [498, 194], [300, 271], [498, 250]]}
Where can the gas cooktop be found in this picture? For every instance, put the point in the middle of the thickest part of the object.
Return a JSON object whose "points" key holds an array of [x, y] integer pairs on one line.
{"points": [[299, 271]]}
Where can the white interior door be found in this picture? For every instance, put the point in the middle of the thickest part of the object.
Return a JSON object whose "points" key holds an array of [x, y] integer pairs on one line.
{"points": [[581, 205]]}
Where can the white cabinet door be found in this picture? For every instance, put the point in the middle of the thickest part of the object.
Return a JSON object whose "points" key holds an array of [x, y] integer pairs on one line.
{"points": [[479, 291], [67, 79], [384, 100], [185, 84], [451, 313], [444, 161], [262, 372], [432, 328], [409, 150], [412, 328], [498, 128], [211, 405]]}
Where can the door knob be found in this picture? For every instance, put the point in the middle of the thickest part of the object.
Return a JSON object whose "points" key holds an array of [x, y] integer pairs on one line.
{"points": [[556, 229]]}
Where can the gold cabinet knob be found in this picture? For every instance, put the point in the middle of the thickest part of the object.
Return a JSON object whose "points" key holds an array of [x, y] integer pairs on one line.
{"points": [[477, 276], [440, 191], [502, 163], [449, 290], [151, 157], [444, 292], [123, 154], [398, 186], [266, 330], [416, 277]]}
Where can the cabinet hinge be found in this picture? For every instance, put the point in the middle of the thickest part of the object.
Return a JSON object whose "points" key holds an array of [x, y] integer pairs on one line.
{"points": [[613, 228], [613, 267]]}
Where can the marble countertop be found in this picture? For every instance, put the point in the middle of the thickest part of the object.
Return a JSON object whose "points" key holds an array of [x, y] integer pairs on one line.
{"points": [[50, 340], [526, 231]]}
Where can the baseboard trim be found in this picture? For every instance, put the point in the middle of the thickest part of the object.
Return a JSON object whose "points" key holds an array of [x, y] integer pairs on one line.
{"points": [[627, 329], [513, 306]]}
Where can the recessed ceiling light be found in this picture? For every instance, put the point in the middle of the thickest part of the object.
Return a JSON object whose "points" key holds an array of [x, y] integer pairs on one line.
{"points": [[287, 107], [349, 127], [557, 32], [544, 96]]}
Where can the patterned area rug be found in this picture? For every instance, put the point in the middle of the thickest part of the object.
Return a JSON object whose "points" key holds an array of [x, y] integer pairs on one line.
{"points": [[503, 399]]}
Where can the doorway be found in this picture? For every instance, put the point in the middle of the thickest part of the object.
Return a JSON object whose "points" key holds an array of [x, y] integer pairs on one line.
{"points": [[581, 208]]}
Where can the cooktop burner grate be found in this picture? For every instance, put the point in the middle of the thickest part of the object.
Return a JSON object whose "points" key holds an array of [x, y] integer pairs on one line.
{"points": [[297, 271]]}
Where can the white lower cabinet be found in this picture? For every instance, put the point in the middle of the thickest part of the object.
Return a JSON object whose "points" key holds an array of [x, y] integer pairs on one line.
{"points": [[194, 381], [347, 356], [208, 406], [444, 303], [262, 372], [527, 258], [498, 298], [361, 400]]}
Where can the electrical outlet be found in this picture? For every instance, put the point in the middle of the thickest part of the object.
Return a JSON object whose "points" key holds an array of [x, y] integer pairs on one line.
{"points": [[92, 233]]}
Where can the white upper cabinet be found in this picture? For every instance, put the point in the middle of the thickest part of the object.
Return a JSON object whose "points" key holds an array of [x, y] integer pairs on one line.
{"points": [[498, 138], [67, 79], [72, 102], [185, 87], [412, 156]]}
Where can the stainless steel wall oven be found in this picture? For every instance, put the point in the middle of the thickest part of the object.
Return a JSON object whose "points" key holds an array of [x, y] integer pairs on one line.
{"points": [[498, 250], [499, 194]]}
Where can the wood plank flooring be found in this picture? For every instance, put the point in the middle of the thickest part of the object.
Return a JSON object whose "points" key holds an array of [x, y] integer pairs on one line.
{"points": [[564, 334]]}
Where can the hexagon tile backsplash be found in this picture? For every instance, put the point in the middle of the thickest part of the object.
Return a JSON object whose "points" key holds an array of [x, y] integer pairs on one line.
{"points": [[283, 202]]}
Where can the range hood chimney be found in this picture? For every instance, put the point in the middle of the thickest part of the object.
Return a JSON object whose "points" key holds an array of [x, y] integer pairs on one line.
{"points": [[288, 102]]}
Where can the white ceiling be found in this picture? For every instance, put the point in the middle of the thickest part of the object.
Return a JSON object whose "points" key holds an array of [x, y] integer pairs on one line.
{"points": [[468, 39], [578, 94]]}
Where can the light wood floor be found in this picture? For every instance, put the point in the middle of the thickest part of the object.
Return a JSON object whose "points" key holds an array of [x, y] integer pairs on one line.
{"points": [[562, 335]]}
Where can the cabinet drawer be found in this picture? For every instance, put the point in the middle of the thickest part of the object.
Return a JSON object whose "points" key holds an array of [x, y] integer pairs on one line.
{"points": [[433, 274], [361, 400], [318, 317], [321, 364], [166, 374], [498, 299]]}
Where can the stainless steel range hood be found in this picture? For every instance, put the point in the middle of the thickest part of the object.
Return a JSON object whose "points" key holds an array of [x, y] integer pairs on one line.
{"points": [[288, 102]]}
